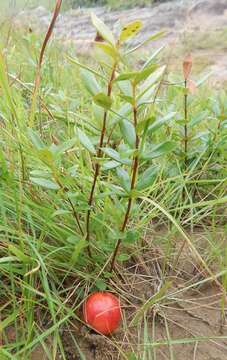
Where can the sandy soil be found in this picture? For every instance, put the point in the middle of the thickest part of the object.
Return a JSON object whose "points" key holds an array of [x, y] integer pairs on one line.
{"points": [[184, 314]]}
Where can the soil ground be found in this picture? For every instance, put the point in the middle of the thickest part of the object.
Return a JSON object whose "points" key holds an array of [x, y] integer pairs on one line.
{"points": [[188, 311]]}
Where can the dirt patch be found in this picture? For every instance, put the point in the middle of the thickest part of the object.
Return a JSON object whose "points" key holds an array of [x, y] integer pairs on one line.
{"points": [[187, 324], [196, 315]]}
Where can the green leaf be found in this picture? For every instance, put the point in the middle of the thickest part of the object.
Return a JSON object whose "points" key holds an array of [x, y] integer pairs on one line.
{"points": [[40, 173], [98, 114], [85, 141], [131, 236], [87, 68], [147, 178], [113, 154], [132, 356], [124, 179], [144, 124], [8, 259], [204, 79], [102, 29], [123, 257], [35, 139], [151, 80], [126, 88], [128, 132], [130, 30], [65, 146], [90, 82], [4, 84], [3, 166], [145, 73], [101, 285], [103, 101], [110, 165], [126, 76], [6, 322], [79, 246], [159, 150], [153, 55], [147, 97], [60, 212], [158, 123], [19, 254], [72, 239], [48, 184], [150, 38], [108, 49], [124, 111], [198, 118], [46, 156], [128, 99]]}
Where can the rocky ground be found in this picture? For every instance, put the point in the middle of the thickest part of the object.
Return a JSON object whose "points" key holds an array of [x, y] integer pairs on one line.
{"points": [[197, 26]]}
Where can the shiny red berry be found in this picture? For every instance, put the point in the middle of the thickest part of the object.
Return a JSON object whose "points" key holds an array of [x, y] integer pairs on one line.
{"points": [[102, 312]]}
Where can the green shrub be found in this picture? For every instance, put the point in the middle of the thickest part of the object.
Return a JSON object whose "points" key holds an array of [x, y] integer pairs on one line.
{"points": [[124, 4]]}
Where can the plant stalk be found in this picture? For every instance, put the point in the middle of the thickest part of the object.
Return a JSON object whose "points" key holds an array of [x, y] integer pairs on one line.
{"points": [[135, 165], [97, 165], [75, 215], [185, 126]]}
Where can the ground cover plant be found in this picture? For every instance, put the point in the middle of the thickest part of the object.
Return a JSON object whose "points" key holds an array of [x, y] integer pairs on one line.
{"points": [[112, 177]]}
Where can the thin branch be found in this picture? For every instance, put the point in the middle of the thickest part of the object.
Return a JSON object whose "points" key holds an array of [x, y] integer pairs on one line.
{"points": [[41, 56], [185, 125]]}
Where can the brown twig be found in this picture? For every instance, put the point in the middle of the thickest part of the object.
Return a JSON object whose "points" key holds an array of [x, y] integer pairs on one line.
{"points": [[41, 56], [97, 165]]}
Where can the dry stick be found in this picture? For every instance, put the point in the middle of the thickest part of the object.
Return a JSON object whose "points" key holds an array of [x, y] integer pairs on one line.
{"points": [[97, 165], [135, 166]]}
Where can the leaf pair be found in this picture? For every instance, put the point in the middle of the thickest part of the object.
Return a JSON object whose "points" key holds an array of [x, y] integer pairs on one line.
{"points": [[127, 32]]}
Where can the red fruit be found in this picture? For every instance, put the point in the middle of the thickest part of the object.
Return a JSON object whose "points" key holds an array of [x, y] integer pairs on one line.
{"points": [[102, 312]]}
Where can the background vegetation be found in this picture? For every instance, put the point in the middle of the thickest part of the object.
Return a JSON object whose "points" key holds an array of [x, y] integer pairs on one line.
{"points": [[13, 5], [162, 166]]}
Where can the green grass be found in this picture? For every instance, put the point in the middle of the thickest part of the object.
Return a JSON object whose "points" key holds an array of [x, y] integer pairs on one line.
{"points": [[46, 175]]}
